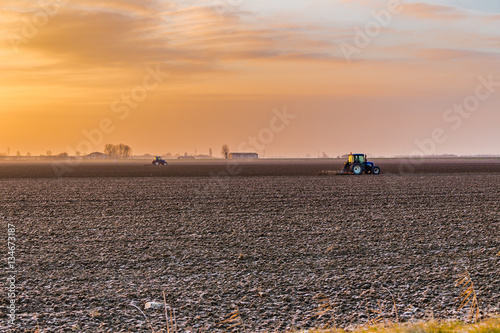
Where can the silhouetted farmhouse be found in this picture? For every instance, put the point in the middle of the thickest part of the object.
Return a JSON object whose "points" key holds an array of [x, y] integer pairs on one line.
{"points": [[96, 156]]}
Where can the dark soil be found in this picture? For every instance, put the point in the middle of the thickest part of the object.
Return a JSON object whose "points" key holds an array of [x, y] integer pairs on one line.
{"points": [[277, 249], [222, 168]]}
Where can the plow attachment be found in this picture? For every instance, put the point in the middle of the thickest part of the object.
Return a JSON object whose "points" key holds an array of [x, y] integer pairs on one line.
{"points": [[334, 172]]}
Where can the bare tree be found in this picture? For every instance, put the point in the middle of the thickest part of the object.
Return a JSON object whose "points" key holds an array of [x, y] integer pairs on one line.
{"points": [[210, 152], [49, 153], [110, 150], [225, 151], [127, 151], [121, 150]]}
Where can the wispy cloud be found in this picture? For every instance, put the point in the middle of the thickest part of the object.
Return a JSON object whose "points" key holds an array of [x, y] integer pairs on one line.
{"points": [[428, 11]]}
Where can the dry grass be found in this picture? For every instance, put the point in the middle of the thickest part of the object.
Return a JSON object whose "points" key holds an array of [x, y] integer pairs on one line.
{"points": [[325, 308], [468, 296], [144, 315], [487, 326], [234, 320], [172, 323]]}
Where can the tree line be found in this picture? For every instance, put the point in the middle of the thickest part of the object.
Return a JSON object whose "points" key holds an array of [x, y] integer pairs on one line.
{"points": [[113, 151], [118, 151]]}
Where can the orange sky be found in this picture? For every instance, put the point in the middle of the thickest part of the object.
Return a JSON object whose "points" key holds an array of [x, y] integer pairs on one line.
{"points": [[166, 76]]}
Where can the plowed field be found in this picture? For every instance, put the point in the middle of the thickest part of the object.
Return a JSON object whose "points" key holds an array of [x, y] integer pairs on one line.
{"points": [[289, 251]]}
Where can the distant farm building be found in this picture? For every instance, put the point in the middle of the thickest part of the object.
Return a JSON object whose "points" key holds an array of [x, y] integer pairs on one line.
{"points": [[96, 156], [243, 156], [204, 157], [185, 157]]}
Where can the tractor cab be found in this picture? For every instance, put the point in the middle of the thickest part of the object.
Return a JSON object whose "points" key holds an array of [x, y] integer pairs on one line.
{"points": [[356, 158]]}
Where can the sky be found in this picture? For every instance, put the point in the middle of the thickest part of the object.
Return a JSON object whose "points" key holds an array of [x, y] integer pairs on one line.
{"points": [[281, 78]]}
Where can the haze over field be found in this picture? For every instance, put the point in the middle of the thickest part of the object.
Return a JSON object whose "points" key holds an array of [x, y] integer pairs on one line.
{"points": [[175, 76]]}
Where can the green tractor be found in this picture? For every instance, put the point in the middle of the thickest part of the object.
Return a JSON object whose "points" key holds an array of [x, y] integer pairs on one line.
{"points": [[357, 164]]}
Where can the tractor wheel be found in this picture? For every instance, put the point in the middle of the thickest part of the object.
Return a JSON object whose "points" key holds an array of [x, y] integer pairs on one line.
{"points": [[376, 170], [157, 163], [357, 169], [165, 163]]}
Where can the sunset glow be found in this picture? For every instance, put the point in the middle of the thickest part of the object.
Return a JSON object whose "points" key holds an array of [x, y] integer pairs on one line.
{"points": [[180, 76]]}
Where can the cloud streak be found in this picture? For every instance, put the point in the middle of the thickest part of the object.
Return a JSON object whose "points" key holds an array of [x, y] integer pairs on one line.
{"points": [[426, 11]]}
